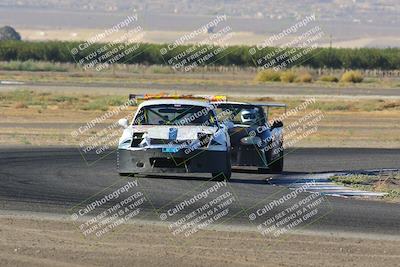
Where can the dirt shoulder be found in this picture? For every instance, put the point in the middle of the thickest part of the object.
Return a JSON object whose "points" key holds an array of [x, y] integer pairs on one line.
{"points": [[387, 182], [45, 242]]}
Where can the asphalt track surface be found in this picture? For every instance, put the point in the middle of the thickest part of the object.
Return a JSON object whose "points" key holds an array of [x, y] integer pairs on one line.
{"points": [[57, 179]]}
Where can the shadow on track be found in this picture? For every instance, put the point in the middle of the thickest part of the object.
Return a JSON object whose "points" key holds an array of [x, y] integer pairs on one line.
{"points": [[261, 179]]}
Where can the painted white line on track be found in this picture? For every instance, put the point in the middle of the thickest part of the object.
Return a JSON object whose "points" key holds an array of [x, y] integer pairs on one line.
{"points": [[322, 184]]}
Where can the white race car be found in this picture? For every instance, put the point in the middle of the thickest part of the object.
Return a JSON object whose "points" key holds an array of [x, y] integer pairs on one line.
{"points": [[174, 135]]}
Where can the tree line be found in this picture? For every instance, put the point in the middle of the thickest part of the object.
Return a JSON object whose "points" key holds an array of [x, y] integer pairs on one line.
{"points": [[60, 51]]}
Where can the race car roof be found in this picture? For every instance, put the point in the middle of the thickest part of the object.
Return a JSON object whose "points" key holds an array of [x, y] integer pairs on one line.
{"points": [[175, 102]]}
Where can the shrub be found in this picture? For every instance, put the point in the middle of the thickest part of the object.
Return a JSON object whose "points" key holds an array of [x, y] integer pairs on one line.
{"points": [[9, 33], [115, 100], [390, 105], [352, 77], [20, 95], [156, 69], [288, 76], [331, 106], [98, 104], [305, 78], [31, 65], [329, 78], [103, 103], [20, 105], [63, 98], [268, 75]]}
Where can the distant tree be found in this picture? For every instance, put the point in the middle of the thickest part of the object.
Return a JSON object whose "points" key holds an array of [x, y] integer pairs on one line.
{"points": [[8, 33]]}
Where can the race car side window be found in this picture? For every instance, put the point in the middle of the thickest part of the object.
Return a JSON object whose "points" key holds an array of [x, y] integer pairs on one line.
{"points": [[140, 117]]}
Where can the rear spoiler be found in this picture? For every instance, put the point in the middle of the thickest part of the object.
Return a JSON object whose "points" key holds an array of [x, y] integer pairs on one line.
{"points": [[144, 97], [272, 105]]}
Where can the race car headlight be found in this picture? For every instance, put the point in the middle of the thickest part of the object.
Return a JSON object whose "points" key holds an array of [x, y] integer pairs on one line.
{"points": [[137, 138], [250, 140]]}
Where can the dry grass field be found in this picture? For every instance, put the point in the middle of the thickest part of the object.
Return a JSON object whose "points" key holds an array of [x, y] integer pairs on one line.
{"points": [[47, 118]]}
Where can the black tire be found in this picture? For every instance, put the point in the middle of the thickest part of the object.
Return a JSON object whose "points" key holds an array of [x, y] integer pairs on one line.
{"points": [[277, 165], [227, 173], [222, 176], [219, 177], [262, 170]]}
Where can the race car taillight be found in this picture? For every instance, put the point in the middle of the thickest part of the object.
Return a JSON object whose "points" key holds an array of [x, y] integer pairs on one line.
{"points": [[137, 138]]}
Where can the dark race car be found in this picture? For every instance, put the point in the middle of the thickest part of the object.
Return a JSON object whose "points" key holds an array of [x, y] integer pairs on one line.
{"points": [[254, 141]]}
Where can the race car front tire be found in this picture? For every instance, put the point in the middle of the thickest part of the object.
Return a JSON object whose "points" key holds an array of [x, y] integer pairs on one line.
{"points": [[277, 165], [223, 176], [227, 173], [263, 170]]}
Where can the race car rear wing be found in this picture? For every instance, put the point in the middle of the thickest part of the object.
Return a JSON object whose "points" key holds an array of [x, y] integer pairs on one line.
{"points": [[209, 98], [272, 105]]}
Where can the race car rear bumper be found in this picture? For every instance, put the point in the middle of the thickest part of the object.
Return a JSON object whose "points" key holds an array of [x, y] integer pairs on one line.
{"points": [[156, 161]]}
